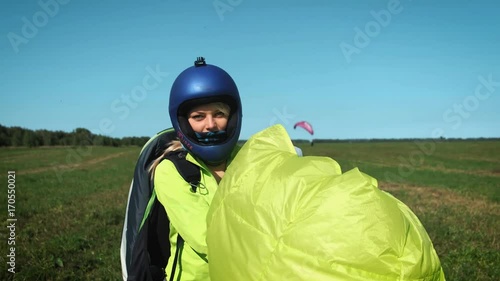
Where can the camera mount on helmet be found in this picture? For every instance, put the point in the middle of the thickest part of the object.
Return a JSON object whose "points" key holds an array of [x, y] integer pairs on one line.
{"points": [[200, 61]]}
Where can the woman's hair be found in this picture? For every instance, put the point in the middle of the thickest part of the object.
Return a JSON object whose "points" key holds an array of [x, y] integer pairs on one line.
{"points": [[222, 107], [176, 145]]}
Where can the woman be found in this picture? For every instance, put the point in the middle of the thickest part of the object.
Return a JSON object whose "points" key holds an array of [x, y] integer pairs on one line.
{"points": [[205, 111]]}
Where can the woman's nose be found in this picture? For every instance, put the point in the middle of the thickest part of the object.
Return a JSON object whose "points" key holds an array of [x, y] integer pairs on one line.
{"points": [[210, 123]]}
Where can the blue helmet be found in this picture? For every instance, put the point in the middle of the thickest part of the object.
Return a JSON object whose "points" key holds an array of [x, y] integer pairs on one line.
{"points": [[200, 84]]}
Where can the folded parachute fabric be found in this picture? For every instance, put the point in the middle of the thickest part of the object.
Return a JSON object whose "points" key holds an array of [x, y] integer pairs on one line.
{"points": [[277, 216]]}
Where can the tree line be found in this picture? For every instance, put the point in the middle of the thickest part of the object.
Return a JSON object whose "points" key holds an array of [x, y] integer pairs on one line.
{"points": [[18, 136]]}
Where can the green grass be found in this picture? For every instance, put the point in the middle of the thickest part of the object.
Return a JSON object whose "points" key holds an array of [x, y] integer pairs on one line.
{"points": [[49, 157], [472, 168], [454, 189], [464, 231], [70, 203], [69, 219]]}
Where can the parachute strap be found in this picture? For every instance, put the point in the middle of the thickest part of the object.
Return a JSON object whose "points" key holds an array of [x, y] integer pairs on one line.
{"points": [[189, 171], [180, 244], [159, 222]]}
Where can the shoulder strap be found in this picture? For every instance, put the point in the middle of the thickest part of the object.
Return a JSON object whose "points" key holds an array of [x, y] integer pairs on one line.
{"points": [[189, 171]]}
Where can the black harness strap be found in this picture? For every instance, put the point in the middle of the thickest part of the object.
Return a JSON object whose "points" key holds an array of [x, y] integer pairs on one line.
{"points": [[180, 244], [147, 227], [190, 172]]}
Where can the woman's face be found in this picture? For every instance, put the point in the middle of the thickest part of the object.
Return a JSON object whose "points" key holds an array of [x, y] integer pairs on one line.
{"points": [[207, 118]]}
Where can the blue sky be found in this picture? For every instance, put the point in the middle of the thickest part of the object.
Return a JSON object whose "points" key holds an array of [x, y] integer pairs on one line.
{"points": [[353, 69]]}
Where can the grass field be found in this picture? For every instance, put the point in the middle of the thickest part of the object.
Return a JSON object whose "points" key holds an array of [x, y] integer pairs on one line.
{"points": [[70, 203]]}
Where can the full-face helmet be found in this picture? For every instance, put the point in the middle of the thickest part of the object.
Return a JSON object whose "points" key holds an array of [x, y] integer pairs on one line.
{"points": [[201, 84]]}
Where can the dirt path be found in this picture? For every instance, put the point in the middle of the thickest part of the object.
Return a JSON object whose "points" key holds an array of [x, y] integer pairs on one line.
{"points": [[82, 164], [441, 168], [432, 198]]}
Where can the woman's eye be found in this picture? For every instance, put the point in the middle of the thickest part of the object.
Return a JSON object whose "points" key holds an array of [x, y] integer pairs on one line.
{"points": [[197, 117], [220, 114]]}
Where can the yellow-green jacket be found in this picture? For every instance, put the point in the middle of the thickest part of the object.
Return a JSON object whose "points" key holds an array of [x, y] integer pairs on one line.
{"points": [[187, 214], [277, 216]]}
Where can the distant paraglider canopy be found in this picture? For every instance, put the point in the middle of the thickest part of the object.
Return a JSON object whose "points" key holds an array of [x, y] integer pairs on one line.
{"points": [[305, 125]]}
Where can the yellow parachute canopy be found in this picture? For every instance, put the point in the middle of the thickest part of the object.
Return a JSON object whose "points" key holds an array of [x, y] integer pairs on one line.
{"points": [[277, 216]]}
